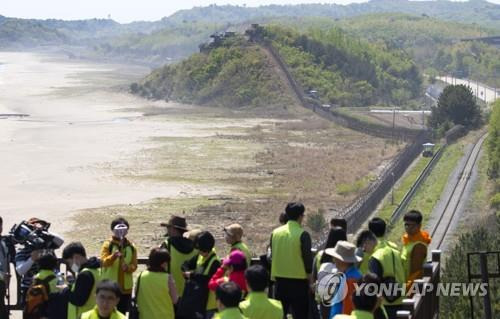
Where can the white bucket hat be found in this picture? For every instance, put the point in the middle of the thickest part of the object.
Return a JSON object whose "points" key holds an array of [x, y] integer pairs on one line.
{"points": [[344, 251]]}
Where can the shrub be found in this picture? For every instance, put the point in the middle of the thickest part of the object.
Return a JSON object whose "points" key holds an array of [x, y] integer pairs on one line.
{"points": [[316, 221]]}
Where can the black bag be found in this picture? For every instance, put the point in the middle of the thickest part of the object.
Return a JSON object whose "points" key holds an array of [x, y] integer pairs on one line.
{"points": [[391, 282], [193, 303], [134, 309]]}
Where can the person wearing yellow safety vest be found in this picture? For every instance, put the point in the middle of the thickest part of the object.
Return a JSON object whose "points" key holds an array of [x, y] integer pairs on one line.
{"points": [[81, 294], [228, 296], [386, 263], [335, 235], [415, 243], [291, 262], [180, 249], [365, 300], [365, 243], [107, 298], [47, 277], [233, 234], [338, 222], [155, 288], [119, 261], [257, 305], [201, 268]]}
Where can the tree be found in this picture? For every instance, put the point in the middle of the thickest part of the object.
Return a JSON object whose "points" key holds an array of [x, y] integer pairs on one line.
{"points": [[494, 142], [457, 105]]}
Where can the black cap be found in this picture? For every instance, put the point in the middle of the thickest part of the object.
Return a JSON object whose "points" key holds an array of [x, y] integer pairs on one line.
{"points": [[294, 210], [204, 241]]}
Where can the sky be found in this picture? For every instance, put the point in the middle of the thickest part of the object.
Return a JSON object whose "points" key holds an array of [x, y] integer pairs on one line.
{"points": [[126, 10]]}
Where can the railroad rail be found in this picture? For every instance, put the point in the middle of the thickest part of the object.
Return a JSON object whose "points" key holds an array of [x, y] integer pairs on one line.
{"points": [[442, 225]]}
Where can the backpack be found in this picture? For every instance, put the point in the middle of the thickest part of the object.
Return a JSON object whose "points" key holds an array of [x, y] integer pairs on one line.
{"points": [[37, 297], [192, 304]]}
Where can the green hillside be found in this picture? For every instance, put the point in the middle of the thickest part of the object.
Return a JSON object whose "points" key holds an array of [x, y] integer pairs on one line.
{"points": [[21, 33], [435, 45], [343, 70], [235, 74]]}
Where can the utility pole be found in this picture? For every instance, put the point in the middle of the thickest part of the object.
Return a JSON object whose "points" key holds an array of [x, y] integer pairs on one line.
{"points": [[393, 123], [392, 189]]}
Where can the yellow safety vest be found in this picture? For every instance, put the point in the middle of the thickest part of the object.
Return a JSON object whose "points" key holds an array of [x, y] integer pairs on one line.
{"points": [[43, 274], [244, 248], [286, 252], [176, 260], [258, 306], [406, 256], [356, 314], [113, 272], [211, 303], [229, 313], [390, 259], [153, 297], [94, 314], [74, 312]]}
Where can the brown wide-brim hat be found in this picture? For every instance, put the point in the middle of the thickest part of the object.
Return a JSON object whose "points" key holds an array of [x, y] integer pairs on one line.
{"points": [[177, 222], [344, 251]]}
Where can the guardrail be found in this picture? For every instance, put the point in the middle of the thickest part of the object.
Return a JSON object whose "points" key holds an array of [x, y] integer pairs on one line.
{"points": [[424, 304], [485, 275], [411, 192]]}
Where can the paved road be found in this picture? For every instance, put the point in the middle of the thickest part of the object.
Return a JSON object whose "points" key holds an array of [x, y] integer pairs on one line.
{"points": [[486, 93]]}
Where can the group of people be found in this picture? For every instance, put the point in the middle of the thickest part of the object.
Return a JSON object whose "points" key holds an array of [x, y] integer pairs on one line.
{"points": [[186, 279]]}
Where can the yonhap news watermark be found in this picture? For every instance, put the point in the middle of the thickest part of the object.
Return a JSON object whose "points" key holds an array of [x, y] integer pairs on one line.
{"points": [[333, 288], [452, 289]]}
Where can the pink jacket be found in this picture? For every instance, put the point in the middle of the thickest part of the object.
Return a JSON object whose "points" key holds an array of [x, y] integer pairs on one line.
{"points": [[235, 276]]}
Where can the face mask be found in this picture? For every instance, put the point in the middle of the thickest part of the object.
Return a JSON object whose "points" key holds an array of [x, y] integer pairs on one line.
{"points": [[75, 267], [120, 231]]}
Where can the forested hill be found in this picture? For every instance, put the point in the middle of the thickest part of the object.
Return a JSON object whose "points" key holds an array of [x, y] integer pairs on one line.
{"points": [[233, 74], [178, 35], [343, 70], [480, 12]]}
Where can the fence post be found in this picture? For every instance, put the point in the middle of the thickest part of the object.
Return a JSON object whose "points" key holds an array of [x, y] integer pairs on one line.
{"points": [[436, 279], [483, 261]]}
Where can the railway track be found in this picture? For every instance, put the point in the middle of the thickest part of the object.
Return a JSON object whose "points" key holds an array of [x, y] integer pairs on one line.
{"points": [[442, 225]]}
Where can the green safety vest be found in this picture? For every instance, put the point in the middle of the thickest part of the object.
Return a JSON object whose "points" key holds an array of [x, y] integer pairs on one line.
{"points": [[244, 248], [211, 303], [317, 260], [356, 314], [94, 314], [258, 306], [229, 313], [286, 252], [390, 259], [153, 297], [74, 312], [363, 266], [176, 260], [406, 256], [112, 272], [43, 274]]}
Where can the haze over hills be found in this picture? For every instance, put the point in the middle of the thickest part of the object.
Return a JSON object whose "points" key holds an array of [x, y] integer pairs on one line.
{"points": [[422, 28], [13, 31]]}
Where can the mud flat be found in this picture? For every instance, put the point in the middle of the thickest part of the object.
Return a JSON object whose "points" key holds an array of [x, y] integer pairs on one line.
{"points": [[89, 151], [62, 158]]}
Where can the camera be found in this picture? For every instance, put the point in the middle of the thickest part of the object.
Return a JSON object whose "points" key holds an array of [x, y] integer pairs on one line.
{"points": [[34, 237]]}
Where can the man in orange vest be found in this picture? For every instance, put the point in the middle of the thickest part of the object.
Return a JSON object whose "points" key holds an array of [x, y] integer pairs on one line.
{"points": [[415, 242]]}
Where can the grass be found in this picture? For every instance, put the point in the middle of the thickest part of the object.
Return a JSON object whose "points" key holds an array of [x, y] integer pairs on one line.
{"points": [[428, 195], [346, 189], [402, 187], [258, 169]]}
